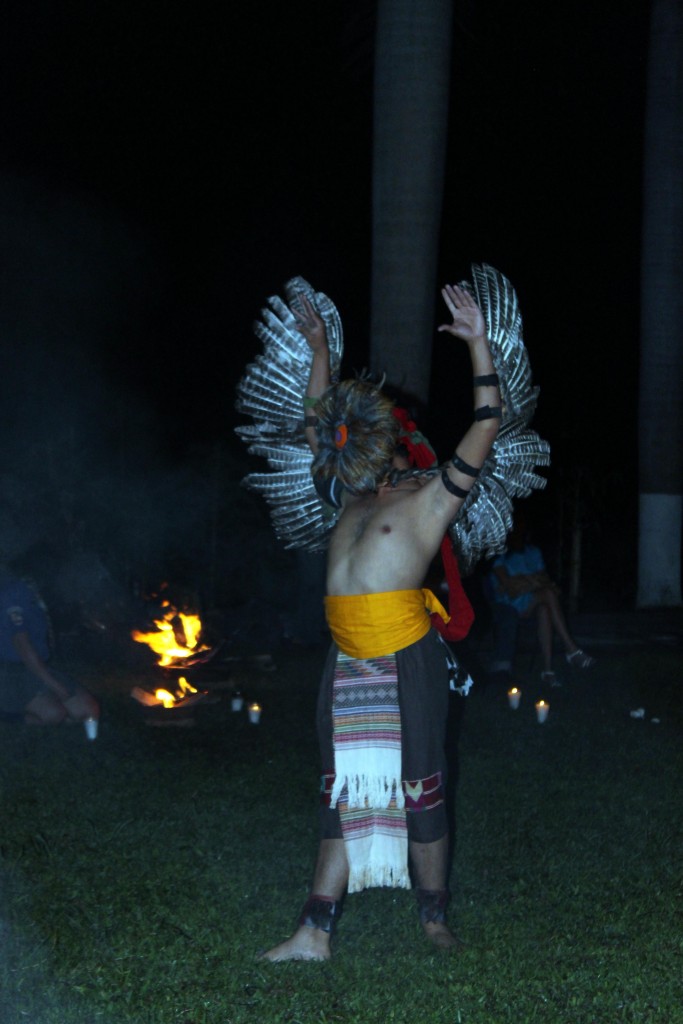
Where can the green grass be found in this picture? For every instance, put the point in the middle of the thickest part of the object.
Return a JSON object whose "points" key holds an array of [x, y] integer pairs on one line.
{"points": [[141, 873]]}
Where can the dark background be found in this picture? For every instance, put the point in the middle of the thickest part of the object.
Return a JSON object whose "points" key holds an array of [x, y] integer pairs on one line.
{"points": [[166, 167]]}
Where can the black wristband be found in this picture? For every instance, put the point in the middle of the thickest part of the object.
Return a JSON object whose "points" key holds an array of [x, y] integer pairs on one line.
{"points": [[489, 380], [452, 488], [310, 421], [488, 412], [463, 466]]}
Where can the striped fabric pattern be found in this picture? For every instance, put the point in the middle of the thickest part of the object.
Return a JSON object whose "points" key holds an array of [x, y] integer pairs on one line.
{"points": [[367, 784], [423, 794], [419, 794]]}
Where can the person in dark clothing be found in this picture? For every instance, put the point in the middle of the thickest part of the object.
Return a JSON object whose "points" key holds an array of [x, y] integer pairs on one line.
{"points": [[32, 690]]}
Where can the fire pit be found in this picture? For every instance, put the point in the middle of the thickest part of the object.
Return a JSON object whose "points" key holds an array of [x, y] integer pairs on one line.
{"points": [[177, 642], [165, 708]]}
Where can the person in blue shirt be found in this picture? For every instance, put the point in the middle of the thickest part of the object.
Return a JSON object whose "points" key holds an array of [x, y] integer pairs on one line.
{"points": [[31, 689], [520, 581]]}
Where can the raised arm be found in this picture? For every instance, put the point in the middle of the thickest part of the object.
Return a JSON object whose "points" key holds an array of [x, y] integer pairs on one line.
{"points": [[447, 492], [468, 324], [312, 326]]}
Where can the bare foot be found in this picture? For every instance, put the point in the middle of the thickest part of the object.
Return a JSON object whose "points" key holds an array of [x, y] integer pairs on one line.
{"points": [[438, 933], [305, 944]]}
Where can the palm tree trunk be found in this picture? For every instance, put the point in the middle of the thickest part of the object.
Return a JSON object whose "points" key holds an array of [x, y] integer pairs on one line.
{"points": [[661, 369], [412, 83]]}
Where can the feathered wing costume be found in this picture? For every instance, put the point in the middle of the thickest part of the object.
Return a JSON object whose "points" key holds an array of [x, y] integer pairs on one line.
{"points": [[272, 390], [484, 519]]}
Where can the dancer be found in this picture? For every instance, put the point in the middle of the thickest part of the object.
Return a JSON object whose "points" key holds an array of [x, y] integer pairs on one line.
{"points": [[383, 700], [384, 693]]}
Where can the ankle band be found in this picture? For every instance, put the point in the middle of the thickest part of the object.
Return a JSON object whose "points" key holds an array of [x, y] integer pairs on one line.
{"points": [[431, 905], [320, 912]]}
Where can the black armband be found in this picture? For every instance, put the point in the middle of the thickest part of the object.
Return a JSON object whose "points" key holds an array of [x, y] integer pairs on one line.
{"points": [[457, 492], [489, 380], [330, 490], [488, 412], [463, 466]]}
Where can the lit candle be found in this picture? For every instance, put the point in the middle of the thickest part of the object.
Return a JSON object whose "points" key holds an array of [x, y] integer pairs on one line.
{"points": [[254, 713], [514, 697], [542, 710], [91, 728]]}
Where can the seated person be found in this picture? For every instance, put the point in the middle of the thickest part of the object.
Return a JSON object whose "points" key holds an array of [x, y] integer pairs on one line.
{"points": [[31, 690], [520, 581]]}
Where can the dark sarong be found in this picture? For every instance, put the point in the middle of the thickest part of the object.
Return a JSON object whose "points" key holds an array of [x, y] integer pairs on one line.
{"points": [[423, 702]]}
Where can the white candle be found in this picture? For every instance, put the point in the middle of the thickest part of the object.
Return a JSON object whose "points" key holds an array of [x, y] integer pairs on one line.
{"points": [[514, 697], [254, 713], [91, 728], [237, 702], [542, 710]]}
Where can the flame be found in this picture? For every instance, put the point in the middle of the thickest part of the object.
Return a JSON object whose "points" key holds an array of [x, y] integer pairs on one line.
{"points": [[169, 700], [185, 688], [166, 698], [165, 640]]}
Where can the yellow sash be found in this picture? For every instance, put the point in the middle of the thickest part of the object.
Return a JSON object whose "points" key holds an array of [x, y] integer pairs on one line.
{"points": [[373, 625]]}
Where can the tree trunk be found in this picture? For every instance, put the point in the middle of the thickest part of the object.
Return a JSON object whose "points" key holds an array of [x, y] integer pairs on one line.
{"points": [[661, 369], [412, 84]]}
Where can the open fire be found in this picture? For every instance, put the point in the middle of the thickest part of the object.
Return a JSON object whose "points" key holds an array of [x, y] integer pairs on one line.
{"points": [[176, 641], [184, 695], [183, 691]]}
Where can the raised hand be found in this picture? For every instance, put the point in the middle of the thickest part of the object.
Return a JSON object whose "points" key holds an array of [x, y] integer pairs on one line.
{"points": [[310, 323], [468, 320]]}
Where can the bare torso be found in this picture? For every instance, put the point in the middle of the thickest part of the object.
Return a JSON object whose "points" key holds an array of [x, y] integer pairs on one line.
{"points": [[386, 540]]}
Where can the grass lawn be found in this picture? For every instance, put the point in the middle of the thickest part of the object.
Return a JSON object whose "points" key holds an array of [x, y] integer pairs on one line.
{"points": [[142, 872]]}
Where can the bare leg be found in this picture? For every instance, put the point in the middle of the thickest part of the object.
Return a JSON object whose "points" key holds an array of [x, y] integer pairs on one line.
{"points": [[329, 880], [82, 705], [549, 599], [545, 635], [44, 710], [430, 861]]}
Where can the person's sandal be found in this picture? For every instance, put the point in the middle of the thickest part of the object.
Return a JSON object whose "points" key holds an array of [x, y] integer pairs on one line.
{"points": [[550, 679], [579, 659]]}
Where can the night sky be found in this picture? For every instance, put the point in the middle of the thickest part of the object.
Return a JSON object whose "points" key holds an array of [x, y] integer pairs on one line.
{"points": [[166, 167]]}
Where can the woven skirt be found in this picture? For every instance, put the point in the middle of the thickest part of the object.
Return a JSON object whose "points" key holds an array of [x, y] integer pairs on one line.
{"points": [[423, 702]]}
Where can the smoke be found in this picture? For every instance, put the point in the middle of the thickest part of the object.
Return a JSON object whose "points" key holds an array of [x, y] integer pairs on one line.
{"points": [[94, 492]]}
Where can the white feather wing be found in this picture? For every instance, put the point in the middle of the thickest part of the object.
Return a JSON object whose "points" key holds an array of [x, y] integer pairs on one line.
{"points": [[271, 392]]}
